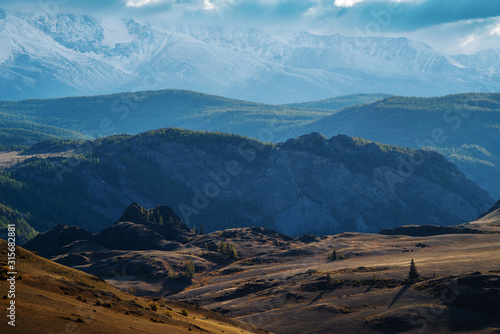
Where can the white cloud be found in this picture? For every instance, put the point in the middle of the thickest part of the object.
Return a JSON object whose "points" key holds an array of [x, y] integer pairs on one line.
{"points": [[346, 3], [141, 3], [208, 5], [352, 3], [495, 30]]}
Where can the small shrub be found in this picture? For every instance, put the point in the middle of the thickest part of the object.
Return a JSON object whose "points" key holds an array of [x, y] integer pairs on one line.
{"points": [[329, 282], [184, 312], [107, 304], [98, 302], [346, 309], [339, 282], [190, 269], [332, 256], [81, 298], [153, 306]]}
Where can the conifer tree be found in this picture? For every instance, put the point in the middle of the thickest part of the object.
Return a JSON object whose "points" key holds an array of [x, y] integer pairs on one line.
{"points": [[413, 273]]}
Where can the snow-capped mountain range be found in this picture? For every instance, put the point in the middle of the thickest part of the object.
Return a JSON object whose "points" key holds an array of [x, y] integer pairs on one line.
{"points": [[42, 56]]}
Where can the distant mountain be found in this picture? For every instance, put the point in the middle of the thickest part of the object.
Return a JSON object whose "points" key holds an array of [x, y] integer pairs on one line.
{"points": [[305, 185], [64, 55], [485, 60], [465, 128]]}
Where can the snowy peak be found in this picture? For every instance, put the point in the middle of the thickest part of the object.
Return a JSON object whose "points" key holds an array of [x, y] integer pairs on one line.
{"points": [[486, 60], [48, 56]]}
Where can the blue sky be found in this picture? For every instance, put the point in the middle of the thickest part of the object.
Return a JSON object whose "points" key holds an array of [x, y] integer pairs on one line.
{"points": [[451, 26]]}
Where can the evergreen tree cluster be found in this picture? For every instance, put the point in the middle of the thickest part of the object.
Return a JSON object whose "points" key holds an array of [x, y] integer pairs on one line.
{"points": [[229, 250]]}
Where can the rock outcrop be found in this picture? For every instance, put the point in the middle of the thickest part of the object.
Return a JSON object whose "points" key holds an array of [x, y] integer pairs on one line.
{"points": [[137, 229]]}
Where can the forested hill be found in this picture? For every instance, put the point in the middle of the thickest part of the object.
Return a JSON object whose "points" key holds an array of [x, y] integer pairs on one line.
{"points": [[465, 128], [307, 185], [340, 102], [100, 116]]}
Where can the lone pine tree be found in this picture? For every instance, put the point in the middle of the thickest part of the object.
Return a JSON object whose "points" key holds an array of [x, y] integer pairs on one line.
{"points": [[413, 273]]}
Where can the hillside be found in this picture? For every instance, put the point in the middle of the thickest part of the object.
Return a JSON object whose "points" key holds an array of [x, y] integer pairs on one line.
{"points": [[100, 116], [19, 134], [340, 102], [51, 298], [308, 185], [465, 128], [23, 222], [489, 221], [288, 285]]}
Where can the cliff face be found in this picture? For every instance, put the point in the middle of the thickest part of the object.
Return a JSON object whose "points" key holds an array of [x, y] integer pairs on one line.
{"points": [[305, 185]]}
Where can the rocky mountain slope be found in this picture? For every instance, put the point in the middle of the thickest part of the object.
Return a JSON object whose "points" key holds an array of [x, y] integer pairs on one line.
{"points": [[307, 185], [137, 229], [63, 55]]}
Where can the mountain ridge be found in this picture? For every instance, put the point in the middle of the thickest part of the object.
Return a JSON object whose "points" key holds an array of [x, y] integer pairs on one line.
{"points": [[242, 64], [462, 127], [307, 185]]}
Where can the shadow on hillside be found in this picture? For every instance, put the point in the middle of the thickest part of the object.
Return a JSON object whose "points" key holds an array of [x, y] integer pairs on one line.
{"points": [[400, 293]]}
